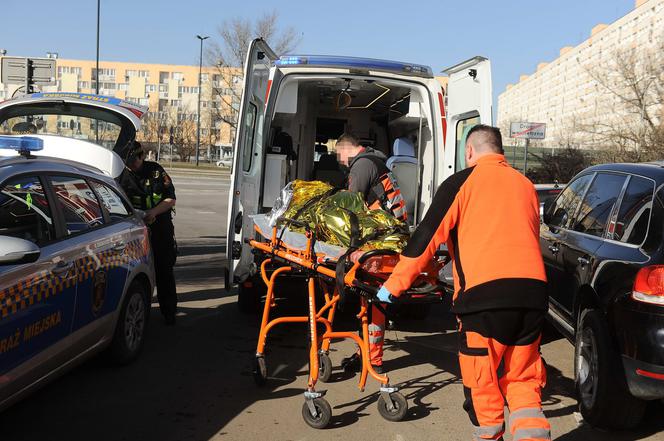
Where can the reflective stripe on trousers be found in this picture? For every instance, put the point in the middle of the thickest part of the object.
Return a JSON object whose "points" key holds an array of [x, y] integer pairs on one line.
{"points": [[488, 432], [529, 424], [376, 334]]}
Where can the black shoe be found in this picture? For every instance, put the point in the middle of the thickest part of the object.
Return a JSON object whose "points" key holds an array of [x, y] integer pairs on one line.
{"points": [[352, 363], [169, 320], [378, 368]]}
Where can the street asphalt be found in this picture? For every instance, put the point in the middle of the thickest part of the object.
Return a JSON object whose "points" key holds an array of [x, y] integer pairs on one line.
{"points": [[193, 381]]}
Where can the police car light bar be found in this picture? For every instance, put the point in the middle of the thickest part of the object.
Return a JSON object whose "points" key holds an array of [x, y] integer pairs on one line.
{"points": [[22, 144], [355, 62]]}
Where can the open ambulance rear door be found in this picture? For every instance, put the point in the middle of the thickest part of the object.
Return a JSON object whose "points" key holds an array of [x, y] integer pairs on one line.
{"points": [[243, 195], [469, 102]]}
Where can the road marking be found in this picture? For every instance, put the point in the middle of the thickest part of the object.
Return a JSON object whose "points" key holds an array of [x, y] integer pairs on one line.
{"points": [[206, 212]]}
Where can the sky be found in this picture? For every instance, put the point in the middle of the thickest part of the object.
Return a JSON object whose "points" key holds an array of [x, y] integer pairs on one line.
{"points": [[515, 35]]}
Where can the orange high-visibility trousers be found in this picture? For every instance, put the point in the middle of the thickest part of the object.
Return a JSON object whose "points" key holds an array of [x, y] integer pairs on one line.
{"points": [[500, 361], [376, 336]]}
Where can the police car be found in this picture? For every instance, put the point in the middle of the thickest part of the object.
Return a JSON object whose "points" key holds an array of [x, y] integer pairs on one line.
{"points": [[76, 272]]}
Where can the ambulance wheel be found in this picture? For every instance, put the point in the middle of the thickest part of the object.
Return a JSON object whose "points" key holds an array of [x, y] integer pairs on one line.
{"points": [[260, 371], [323, 413], [399, 409], [249, 295], [324, 367]]}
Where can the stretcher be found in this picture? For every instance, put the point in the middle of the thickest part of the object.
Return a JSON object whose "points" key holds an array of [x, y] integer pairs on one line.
{"points": [[337, 272]]}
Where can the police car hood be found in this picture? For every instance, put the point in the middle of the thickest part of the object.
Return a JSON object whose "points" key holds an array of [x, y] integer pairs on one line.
{"points": [[119, 112], [77, 150]]}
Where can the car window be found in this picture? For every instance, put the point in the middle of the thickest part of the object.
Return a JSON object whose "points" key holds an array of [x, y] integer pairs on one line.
{"points": [[598, 204], [112, 201], [462, 129], [631, 223], [78, 204], [250, 127], [24, 210], [560, 213]]}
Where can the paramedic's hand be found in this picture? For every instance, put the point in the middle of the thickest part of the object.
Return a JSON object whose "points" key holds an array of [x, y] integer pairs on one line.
{"points": [[384, 295]]}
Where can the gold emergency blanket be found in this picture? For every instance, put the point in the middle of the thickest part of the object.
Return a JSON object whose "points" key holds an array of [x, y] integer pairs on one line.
{"points": [[329, 214]]}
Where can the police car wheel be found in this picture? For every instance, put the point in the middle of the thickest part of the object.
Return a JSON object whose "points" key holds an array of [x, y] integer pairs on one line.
{"points": [[131, 326]]}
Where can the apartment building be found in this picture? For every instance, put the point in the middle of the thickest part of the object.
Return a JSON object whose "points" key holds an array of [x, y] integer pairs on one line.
{"points": [[169, 91], [563, 93]]}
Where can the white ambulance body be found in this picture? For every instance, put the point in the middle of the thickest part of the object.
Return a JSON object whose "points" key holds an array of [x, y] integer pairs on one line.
{"points": [[398, 108]]}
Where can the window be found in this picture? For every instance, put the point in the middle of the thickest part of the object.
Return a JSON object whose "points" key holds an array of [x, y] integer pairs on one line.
{"points": [[78, 203], [462, 128], [562, 210], [113, 203], [598, 204], [631, 224], [24, 211], [250, 125], [177, 76]]}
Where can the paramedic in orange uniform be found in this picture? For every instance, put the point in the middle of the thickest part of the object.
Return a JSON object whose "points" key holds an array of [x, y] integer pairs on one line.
{"points": [[488, 215]]}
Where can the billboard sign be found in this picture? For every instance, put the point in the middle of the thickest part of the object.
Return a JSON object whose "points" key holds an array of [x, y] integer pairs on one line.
{"points": [[527, 130]]}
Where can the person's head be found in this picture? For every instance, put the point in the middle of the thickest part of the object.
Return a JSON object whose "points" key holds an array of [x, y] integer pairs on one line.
{"points": [[135, 157], [348, 146], [482, 140]]}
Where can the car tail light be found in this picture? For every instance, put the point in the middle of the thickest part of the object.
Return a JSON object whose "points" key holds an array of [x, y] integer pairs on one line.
{"points": [[649, 285]]}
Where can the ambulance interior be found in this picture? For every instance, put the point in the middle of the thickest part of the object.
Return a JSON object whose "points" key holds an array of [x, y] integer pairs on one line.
{"points": [[312, 112]]}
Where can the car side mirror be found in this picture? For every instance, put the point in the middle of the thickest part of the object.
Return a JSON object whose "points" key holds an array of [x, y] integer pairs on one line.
{"points": [[15, 251]]}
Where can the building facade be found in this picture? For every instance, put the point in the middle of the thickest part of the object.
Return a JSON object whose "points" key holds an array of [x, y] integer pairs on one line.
{"points": [[565, 93], [169, 91]]}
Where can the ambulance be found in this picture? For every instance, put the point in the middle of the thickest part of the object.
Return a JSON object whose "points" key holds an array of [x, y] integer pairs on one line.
{"points": [[294, 107]]}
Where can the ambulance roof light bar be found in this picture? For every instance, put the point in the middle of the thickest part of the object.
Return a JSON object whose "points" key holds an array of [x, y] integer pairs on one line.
{"points": [[24, 145], [355, 62]]}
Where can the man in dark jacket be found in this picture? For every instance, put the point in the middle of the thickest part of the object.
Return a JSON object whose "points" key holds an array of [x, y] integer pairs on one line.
{"points": [[366, 168], [151, 190]]}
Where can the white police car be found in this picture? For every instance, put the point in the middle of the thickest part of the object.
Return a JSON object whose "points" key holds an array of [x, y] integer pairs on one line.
{"points": [[76, 272]]}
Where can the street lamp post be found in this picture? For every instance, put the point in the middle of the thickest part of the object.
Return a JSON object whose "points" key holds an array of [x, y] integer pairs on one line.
{"points": [[198, 118]]}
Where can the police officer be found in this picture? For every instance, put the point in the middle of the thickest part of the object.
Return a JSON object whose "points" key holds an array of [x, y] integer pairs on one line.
{"points": [[488, 215], [150, 189]]}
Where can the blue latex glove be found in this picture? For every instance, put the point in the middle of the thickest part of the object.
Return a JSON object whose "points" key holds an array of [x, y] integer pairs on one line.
{"points": [[384, 295]]}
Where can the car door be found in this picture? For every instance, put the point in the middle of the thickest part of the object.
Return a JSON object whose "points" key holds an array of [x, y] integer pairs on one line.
{"points": [[36, 299], [92, 243], [469, 102], [585, 235], [246, 177], [557, 219]]}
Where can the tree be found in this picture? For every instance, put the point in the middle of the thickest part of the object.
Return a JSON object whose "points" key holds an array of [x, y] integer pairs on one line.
{"points": [[632, 85], [560, 165], [228, 55]]}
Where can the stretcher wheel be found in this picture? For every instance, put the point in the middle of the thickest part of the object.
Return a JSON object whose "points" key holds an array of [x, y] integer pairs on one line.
{"points": [[399, 410], [324, 367], [323, 413], [260, 371]]}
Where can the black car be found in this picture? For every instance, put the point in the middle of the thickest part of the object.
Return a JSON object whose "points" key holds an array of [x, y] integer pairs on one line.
{"points": [[602, 240]]}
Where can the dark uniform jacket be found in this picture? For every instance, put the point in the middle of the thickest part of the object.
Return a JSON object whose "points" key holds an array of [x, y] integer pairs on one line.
{"points": [[147, 187], [365, 172], [488, 215]]}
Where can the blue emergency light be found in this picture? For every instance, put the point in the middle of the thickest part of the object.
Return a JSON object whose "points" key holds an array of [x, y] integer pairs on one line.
{"points": [[355, 62], [22, 144]]}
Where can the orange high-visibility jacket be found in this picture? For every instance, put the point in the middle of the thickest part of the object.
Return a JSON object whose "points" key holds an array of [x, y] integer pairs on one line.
{"points": [[489, 217]]}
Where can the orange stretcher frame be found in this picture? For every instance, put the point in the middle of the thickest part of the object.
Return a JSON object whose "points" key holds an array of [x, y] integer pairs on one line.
{"points": [[316, 412]]}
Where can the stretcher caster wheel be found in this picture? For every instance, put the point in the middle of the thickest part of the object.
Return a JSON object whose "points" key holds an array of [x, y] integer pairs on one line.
{"points": [[324, 367], [260, 371], [394, 411], [323, 413]]}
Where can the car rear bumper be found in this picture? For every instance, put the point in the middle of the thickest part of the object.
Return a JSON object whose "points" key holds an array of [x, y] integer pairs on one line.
{"points": [[645, 380]]}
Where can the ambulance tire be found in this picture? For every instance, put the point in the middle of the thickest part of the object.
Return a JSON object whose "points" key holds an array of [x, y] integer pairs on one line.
{"points": [[249, 298], [323, 413], [399, 409], [599, 378], [131, 326]]}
